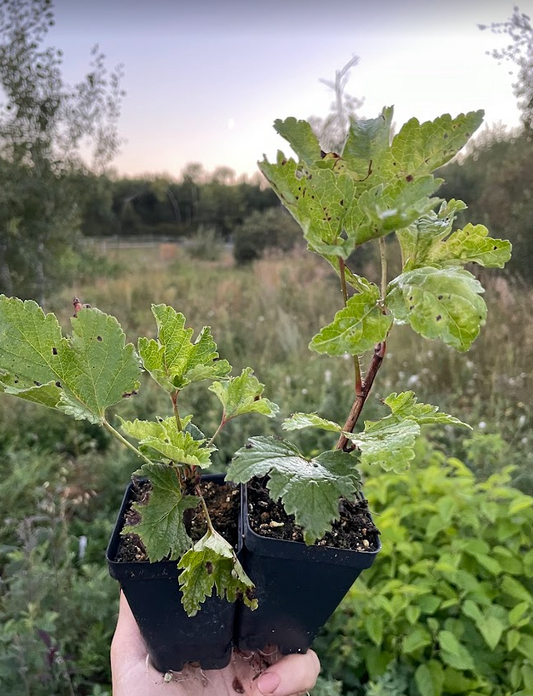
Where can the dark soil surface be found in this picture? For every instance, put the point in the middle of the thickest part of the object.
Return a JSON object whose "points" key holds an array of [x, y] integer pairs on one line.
{"points": [[354, 530], [222, 501]]}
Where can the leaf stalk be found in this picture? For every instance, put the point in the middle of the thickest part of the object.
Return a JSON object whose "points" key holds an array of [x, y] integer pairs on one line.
{"points": [[125, 442], [356, 364], [383, 257], [174, 399]]}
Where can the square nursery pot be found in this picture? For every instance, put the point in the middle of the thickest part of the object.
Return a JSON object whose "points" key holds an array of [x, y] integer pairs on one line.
{"points": [[152, 591], [298, 588]]}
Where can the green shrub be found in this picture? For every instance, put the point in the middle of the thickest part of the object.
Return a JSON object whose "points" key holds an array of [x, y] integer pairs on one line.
{"points": [[449, 601], [263, 231]]}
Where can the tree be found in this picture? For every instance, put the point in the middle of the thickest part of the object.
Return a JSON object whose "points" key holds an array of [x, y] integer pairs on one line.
{"points": [[520, 52], [43, 123]]}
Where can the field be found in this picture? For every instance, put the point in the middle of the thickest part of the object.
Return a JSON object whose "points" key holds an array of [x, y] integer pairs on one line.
{"points": [[63, 480]]}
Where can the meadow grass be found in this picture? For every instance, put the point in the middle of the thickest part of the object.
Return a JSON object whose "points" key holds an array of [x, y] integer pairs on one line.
{"points": [[265, 314]]}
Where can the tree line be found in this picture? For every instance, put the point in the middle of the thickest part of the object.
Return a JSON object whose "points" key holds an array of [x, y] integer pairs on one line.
{"points": [[160, 206]]}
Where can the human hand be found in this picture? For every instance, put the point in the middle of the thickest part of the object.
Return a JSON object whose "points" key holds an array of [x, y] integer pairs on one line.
{"points": [[133, 675]]}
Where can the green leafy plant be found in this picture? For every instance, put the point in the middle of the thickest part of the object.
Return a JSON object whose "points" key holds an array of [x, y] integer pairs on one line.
{"points": [[376, 187], [93, 369], [450, 604]]}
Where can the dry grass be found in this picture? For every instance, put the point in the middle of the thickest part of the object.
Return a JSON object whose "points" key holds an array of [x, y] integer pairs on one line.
{"points": [[265, 315]]}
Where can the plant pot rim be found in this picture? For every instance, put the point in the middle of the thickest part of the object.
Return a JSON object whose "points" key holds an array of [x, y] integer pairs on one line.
{"points": [[298, 550], [120, 570]]}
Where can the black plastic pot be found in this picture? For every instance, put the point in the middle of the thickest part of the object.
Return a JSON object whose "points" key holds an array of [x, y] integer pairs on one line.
{"points": [[298, 588], [152, 591]]}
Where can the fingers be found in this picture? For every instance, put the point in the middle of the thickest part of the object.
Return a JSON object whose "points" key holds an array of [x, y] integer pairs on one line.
{"points": [[127, 646], [291, 675]]}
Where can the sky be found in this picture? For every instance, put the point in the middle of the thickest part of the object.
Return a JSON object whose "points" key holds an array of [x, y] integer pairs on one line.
{"points": [[205, 79]]}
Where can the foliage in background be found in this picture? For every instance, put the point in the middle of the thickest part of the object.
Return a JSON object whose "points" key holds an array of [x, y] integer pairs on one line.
{"points": [[449, 608], [57, 601], [272, 230], [171, 208], [495, 181], [43, 123]]}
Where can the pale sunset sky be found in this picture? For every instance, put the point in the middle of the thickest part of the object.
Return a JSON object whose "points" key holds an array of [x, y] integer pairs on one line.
{"points": [[205, 79]]}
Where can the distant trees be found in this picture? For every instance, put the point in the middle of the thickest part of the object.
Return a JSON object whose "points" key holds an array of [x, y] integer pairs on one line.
{"points": [[495, 180], [43, 122], [164, 207]]}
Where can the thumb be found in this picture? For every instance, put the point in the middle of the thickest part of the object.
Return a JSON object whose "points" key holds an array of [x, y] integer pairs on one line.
{"points": [[291, 675]]}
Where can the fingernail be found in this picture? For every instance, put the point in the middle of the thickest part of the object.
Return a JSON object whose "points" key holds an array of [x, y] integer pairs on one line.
{"points": [[268, 682]]}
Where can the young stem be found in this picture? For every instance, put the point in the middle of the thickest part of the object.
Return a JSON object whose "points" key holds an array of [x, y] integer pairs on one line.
{"points": [[356, 365], [342, 272], [206, 512], [125, 442], [222, 424], [357, 407], [383, 256], [174, 398]]}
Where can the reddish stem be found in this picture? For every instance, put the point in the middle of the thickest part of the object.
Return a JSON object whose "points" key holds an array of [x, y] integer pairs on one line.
{"points": [[357, 406]]}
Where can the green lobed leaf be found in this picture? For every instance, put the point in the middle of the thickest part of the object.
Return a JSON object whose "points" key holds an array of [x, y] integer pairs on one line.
{"points": [[172, 359], [243, 394], [356, 328], [367, 142], [388, 443], [388, 207], [164, 438], [470, 245], [300, 137], [417, 239], [28, 338], [317, 197], [310, 489], [45, 394], [210, 565], [374, 188], [439, 303], [421, 148], [404, 405], [93, 368], [97, 368], [297, 421], [161, 528]]}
